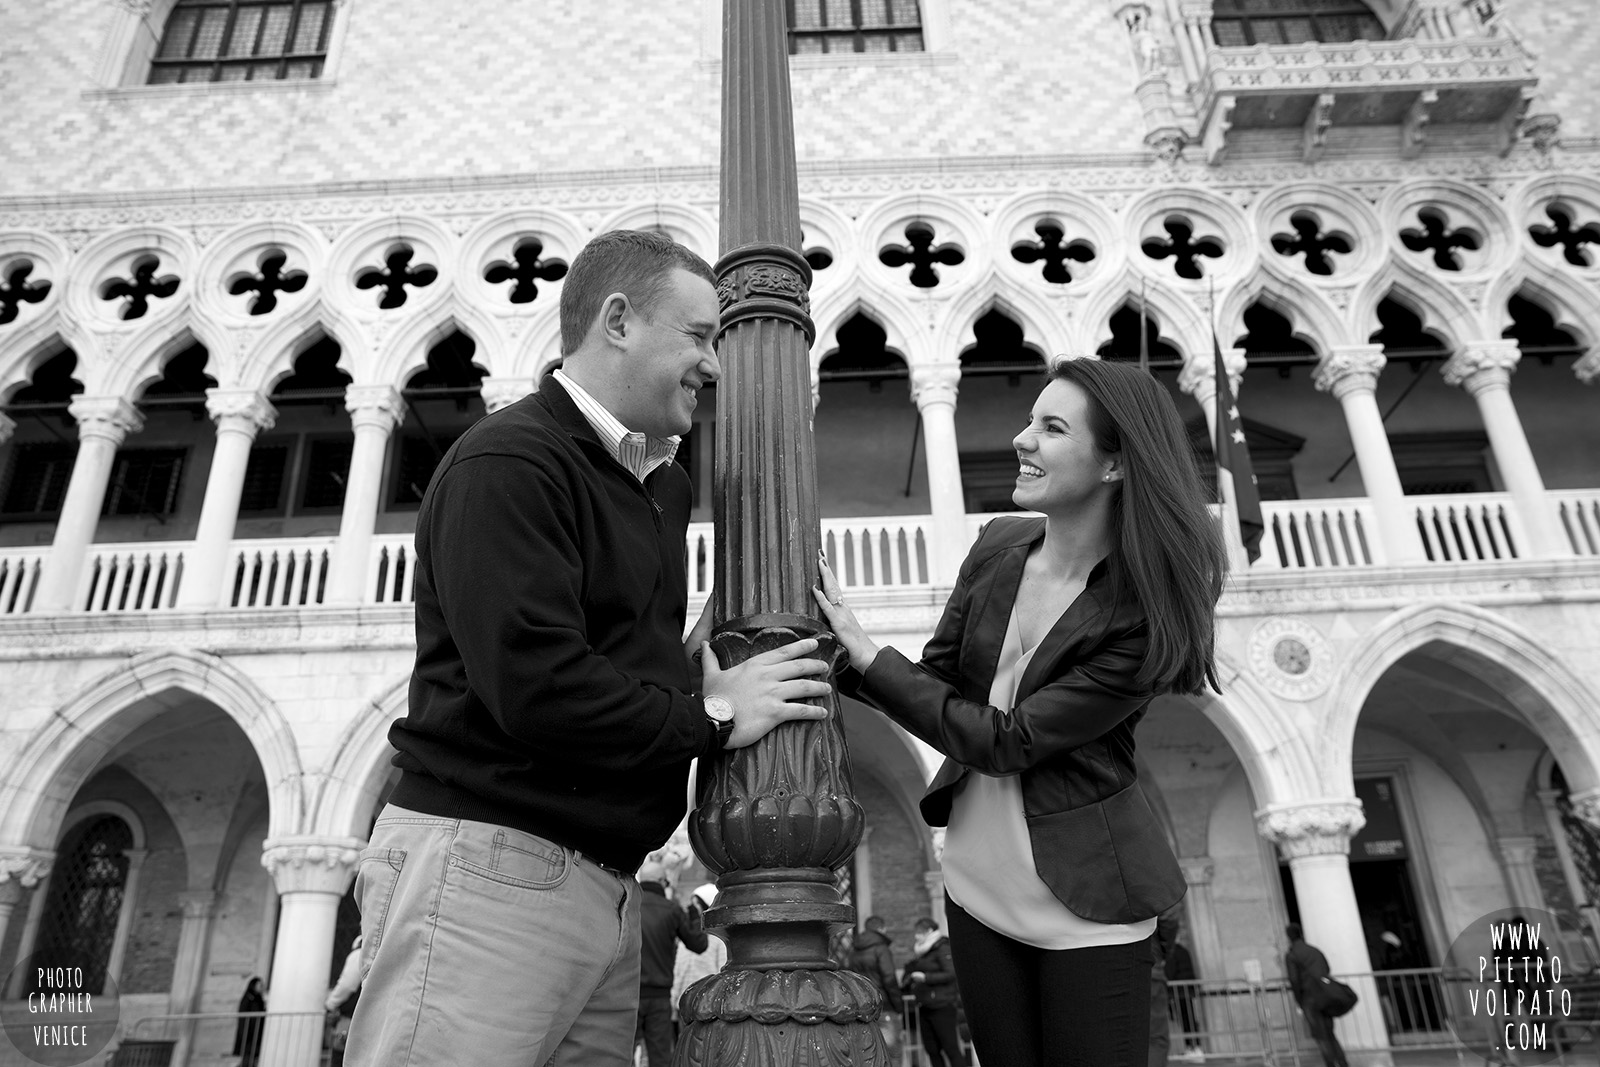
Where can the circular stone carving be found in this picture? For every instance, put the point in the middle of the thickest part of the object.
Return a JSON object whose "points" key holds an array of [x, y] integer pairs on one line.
{"points": [[1291, 658]]}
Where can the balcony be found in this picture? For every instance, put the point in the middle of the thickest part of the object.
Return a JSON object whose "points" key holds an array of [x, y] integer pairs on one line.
{"points": [[882, 554], [1483, 83]]}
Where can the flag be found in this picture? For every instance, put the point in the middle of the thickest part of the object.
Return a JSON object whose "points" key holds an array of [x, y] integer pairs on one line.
{"points": [[1233, 456]]}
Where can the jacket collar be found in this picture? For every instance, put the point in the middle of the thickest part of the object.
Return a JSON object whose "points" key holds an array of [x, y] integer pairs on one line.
{"points": [[1013, 547]]}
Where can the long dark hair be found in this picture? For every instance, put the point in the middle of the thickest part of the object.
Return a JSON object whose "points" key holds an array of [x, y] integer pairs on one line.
{"points": [[1165, 544]]}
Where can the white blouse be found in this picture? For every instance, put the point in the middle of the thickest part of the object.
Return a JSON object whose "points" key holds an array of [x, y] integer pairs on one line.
{"points": [[988, 859]]}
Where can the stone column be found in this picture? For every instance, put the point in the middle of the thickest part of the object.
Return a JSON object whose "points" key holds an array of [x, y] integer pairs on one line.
{"points": [[934, 880], [933, 389], [1314, 836], [240, 414], [20, 869], [189, 965], [1518, 855], [1350, 373], [375, 411], [1484, 368], [1200, 909], [312, 875], [130, 899], [104, 422], [1198, 378], [500, 393]]}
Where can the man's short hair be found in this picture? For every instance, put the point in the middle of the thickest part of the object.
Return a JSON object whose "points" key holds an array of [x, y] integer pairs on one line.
{"points": [[874, 922], [925, 923], [636, 263], [1294, 932]]}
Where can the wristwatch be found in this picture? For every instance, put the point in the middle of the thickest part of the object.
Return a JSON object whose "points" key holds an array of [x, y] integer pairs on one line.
{"points": [[720, 711]]}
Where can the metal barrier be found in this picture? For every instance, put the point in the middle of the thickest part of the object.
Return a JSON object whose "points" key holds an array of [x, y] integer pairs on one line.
{"points": [[265, 1039], [1419, 1013]]}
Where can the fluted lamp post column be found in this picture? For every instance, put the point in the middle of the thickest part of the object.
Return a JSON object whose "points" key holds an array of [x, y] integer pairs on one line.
{"points": [[773, 820]]}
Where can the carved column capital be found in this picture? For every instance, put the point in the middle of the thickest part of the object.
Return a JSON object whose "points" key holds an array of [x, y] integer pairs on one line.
{"points": [[1518, 851], [374, 405], [1586, 806], [25, 866], [198, 903], [110, 417], [935, 383], [1588, 368], [8, 426], [1349, 368], [1198, 377], [1315, 828], [311, 864], [1480, 365], [241, 410], [503, 392], [1197, 870]]}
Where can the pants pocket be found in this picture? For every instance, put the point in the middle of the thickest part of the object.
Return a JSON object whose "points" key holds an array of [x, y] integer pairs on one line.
{"points": [[377, 874]]}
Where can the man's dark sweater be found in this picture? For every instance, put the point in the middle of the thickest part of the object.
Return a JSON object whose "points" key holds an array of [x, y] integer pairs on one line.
{"points": [[551, 693], [662, 924]]}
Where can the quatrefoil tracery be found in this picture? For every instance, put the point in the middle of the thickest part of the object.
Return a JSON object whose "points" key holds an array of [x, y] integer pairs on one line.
{"points": [[1308, 239], [922, 255], [1184, 250], [1435, 236], [396, 276], [272, 280], [139, 289], [1054, 250], [1563, 232], [16, 290], [527, 270]]}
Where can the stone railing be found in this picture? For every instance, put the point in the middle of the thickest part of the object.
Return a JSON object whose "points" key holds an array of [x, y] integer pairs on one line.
{"points": [[869, 554]]}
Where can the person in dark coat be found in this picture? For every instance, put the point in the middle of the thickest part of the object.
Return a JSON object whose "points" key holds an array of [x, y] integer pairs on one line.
{"points": [[247, 1034], [870, 955], [662, 924], [1161, 943], [931, 977], [1305, 966]]}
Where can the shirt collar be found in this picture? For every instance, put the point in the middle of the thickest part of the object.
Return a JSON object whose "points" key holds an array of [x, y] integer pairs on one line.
{"points": [[639, 453]]}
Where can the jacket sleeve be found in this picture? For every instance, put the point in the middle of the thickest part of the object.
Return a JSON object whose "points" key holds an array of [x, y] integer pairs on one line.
{"points": [[938, 967], [691, 931], [514, 607], [1083, 701]]}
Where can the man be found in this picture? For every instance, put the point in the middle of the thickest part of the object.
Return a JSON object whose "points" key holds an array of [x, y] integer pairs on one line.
{"points": [[1180, 969], [870, 955], [1304, 966], [1161, 944], [551, 721], [691, 966], [662, 924]]}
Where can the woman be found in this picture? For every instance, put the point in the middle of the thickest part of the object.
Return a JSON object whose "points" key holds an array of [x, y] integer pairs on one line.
{"points": [[1059, 632], [247, 1033], [931, 978]]}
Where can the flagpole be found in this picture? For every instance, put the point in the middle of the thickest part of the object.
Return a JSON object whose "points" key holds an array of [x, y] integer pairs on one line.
{"points": [[1232, 533], [1144, 330]]}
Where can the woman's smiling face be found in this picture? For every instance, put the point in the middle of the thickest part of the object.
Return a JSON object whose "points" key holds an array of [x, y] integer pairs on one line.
{"points": [[1059, 465]]}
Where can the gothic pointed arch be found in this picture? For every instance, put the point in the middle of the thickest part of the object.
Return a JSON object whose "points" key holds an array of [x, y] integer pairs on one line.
{"points": [[57, 758]]}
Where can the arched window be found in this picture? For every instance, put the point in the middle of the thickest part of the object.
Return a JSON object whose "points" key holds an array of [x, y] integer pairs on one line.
{"points": [[242, 40], [85, 903], [817, 26], [1246, 22]]}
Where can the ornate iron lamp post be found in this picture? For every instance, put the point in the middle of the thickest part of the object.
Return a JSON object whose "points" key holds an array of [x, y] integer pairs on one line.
{"points": [[774, 819]]}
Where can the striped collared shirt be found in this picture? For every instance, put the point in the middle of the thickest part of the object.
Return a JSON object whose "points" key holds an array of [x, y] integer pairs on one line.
{"points": [[635, 451]]}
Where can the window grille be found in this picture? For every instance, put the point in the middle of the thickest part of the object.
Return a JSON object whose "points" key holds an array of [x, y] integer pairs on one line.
{"points": [[1247, 22], [37, 481], [145, 481], [818, 26], [242, 40], [327, 467], [80, 918], [264, 478]]}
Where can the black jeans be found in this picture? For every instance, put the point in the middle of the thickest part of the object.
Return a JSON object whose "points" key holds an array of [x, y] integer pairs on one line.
{"points": [[655, 1026], [1321, 1027], [1031, 1007], [940, 1039]]}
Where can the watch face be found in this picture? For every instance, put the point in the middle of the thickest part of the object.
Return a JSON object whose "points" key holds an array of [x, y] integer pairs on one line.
{"points": [[719, 709], [1292, 656]]}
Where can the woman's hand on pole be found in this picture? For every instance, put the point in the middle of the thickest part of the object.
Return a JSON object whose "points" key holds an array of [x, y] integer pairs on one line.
{"points": [[841, 619]]}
